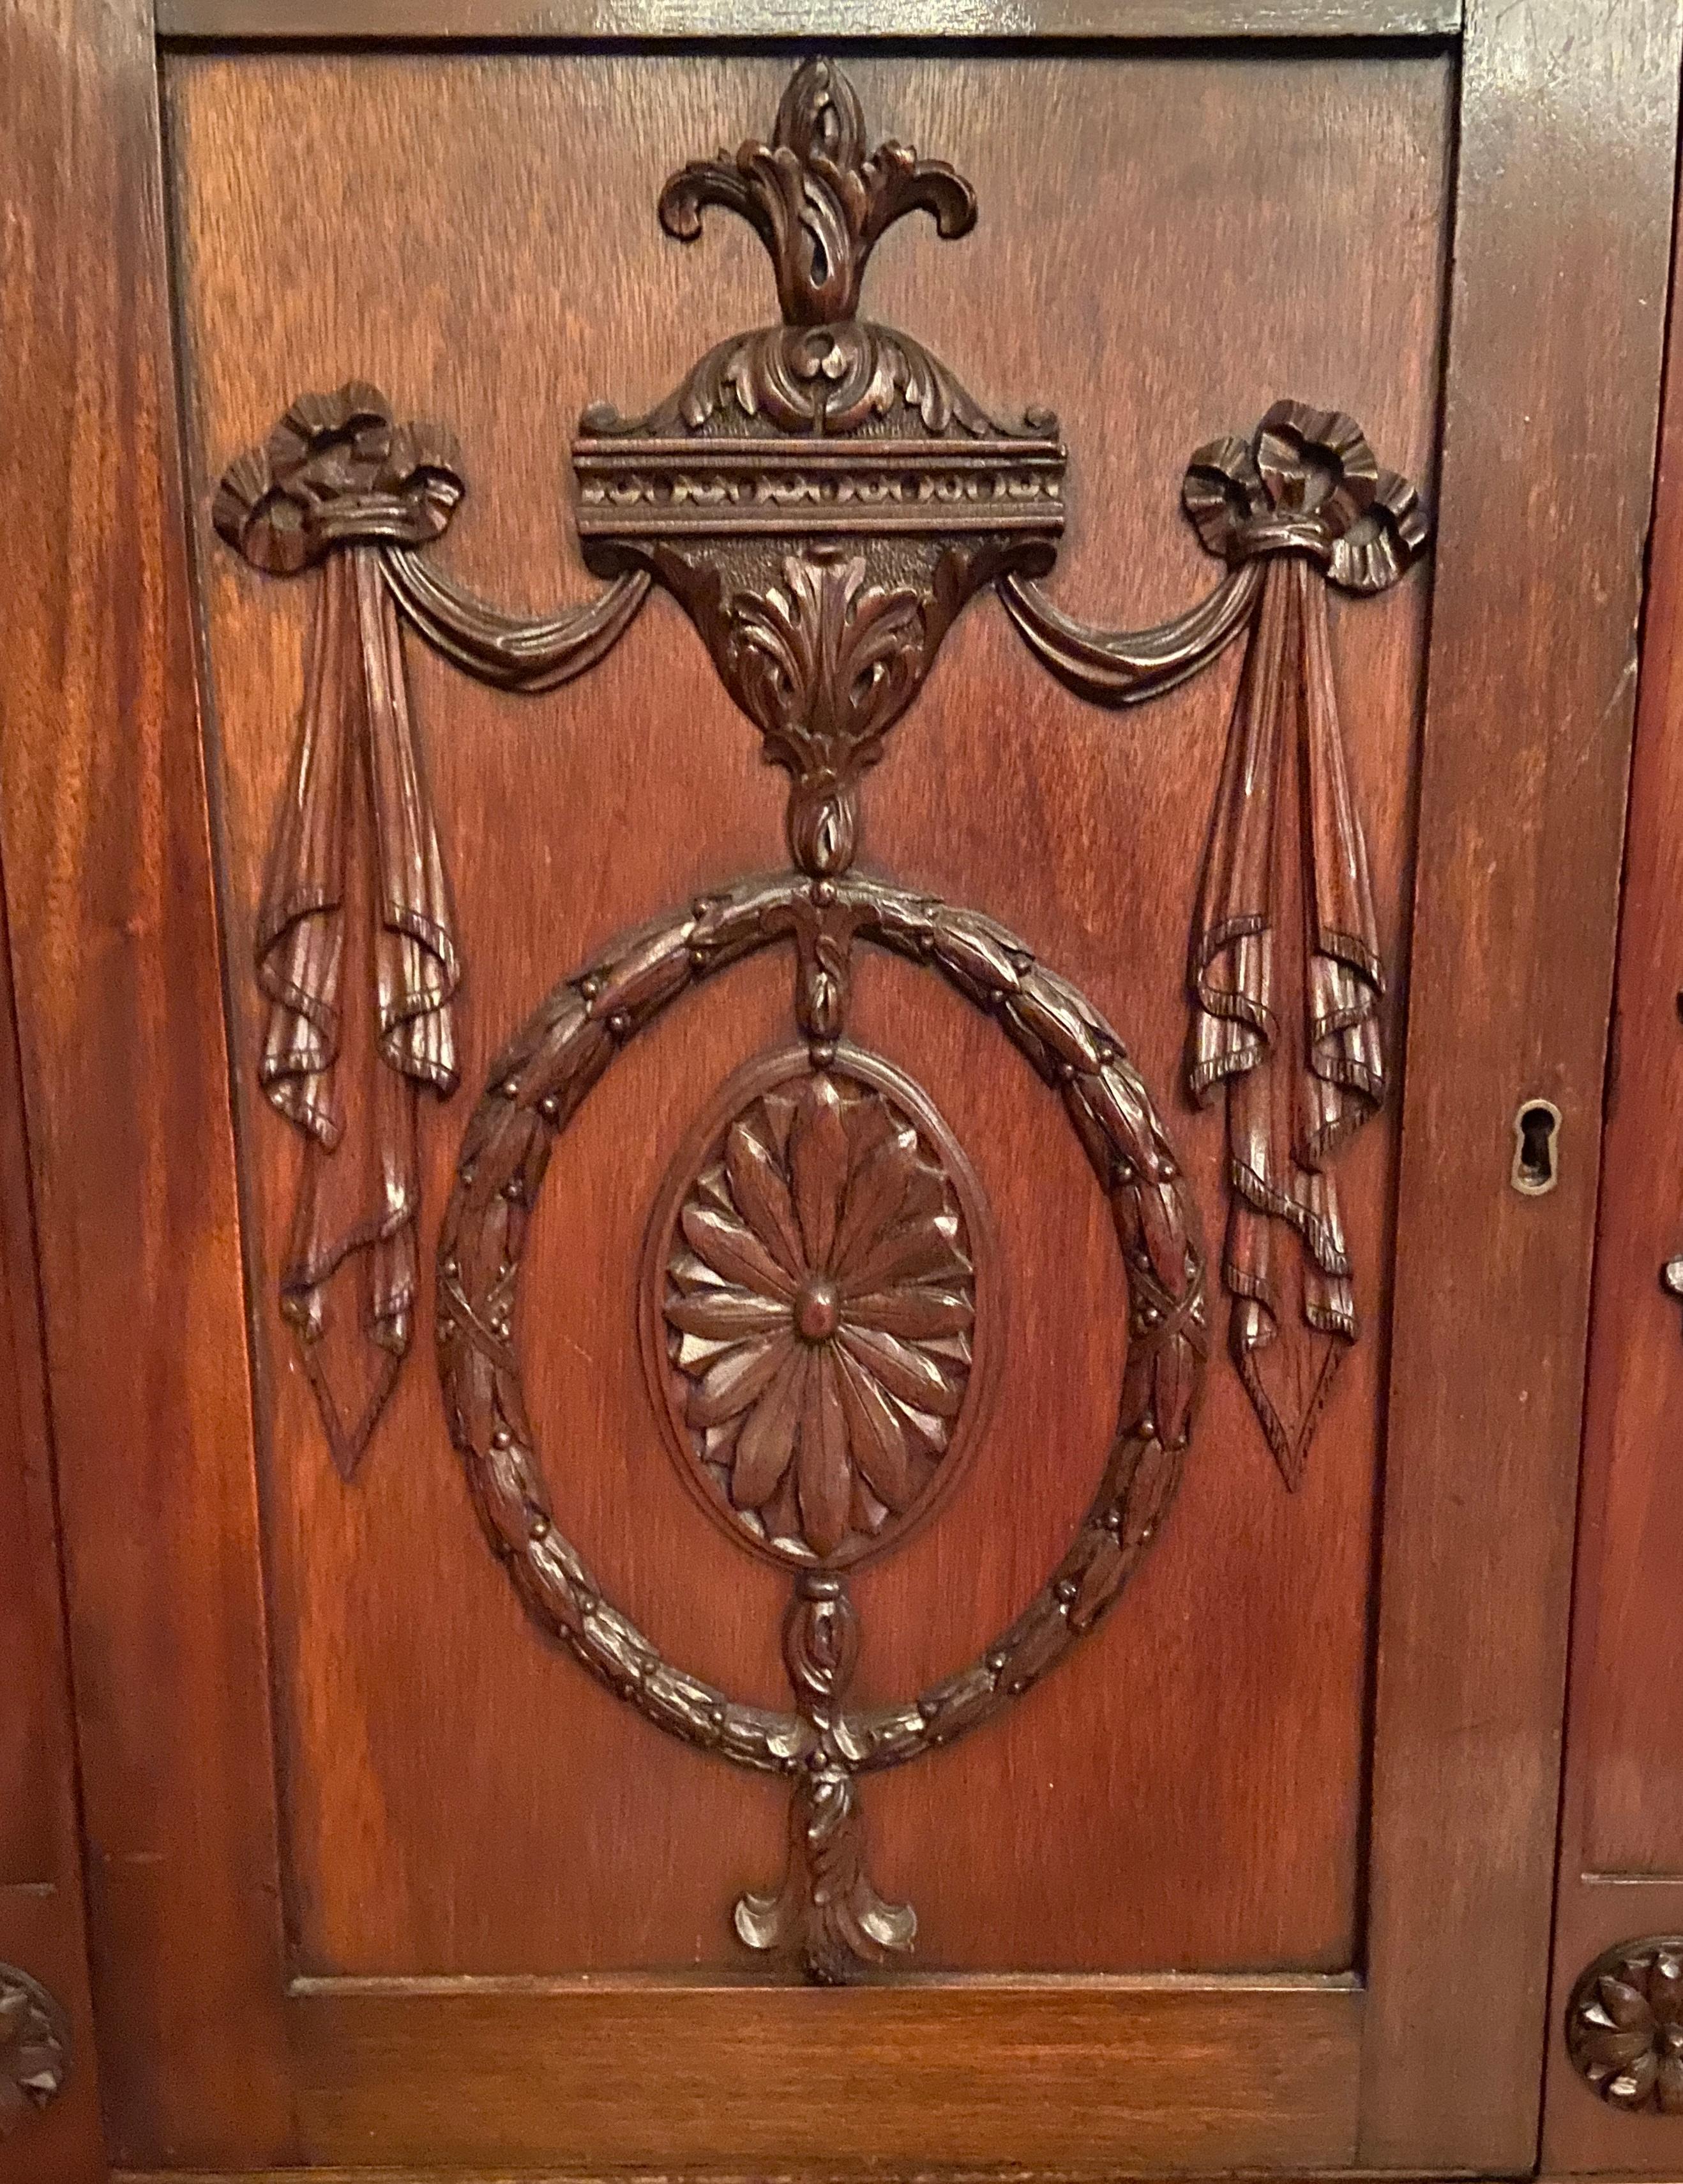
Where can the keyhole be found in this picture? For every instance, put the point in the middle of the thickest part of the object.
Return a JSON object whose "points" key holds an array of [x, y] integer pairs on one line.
{"points": [[1536, 1165]]}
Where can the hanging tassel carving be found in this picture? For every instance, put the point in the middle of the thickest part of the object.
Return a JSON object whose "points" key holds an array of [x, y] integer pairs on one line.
{"points": [[1285, 964]]}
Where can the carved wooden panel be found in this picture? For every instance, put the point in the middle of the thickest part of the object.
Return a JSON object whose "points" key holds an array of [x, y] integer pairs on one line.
{"points": [[823, 581]]}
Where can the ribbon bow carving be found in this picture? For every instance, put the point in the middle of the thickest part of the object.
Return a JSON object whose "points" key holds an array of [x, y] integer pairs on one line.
{"points": [[1285, 967], [356, 913]]}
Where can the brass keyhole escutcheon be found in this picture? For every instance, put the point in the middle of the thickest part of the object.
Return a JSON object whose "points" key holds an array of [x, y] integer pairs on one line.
{"points": [[1536, 1161]]}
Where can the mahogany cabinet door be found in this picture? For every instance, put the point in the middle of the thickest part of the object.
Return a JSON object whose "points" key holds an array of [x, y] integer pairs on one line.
{"points": [[811, 1406], [1615, 2083]]}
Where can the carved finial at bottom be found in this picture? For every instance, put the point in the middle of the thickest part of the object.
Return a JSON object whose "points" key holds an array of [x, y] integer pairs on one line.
{"points": [[826, 1918]]}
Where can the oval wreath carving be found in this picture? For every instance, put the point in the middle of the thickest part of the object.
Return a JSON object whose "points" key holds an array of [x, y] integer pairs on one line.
{"points": [[536, 1089]]}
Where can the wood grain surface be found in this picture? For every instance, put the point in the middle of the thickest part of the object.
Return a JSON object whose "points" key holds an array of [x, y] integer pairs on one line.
{"points": [[1564, 191], [1191, 2075], [1621, 1841], [106, 856], [41, 1926], [625, 20], [478, 238]]}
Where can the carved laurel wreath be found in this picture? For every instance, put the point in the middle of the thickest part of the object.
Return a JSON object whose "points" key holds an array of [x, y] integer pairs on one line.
{"points": [[537, 1087]]}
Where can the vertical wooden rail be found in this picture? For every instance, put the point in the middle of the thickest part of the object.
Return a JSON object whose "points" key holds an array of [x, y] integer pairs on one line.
{"points": [[41, 1928], [1621, 1844], [1562, 232], [107, 864]]}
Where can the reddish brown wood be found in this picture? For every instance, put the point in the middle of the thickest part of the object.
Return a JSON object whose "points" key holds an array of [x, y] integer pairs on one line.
{"points": [[638, 788], [1621, 1846], [108, 878], [1543, 498], [1084, 2076], [537, 1087], [500, 2173], [811, 1435], [355, 945], [1624, 2025], [42, 1922], [1286, 972]]}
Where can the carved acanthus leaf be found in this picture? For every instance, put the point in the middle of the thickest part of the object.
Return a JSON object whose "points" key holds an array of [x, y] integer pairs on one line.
{"points": [[822, 497], [824, 663], [830, 379]]}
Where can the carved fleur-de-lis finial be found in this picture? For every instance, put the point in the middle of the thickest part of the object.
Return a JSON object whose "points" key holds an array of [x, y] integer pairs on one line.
{"points": [[815, 198]]}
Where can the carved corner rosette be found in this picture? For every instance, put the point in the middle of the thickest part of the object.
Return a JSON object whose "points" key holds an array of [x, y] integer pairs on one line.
{"points": [[35, 2048], [1625, 2025], [1286, 972], [356, 910]]}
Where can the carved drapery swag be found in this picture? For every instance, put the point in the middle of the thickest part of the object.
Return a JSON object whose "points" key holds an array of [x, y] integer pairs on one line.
{"points": [[821, 1286], [356, 910], [1285, 971], [355, 947]]}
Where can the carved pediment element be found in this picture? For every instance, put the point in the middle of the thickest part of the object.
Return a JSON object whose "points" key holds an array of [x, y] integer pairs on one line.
{"points": [[822, 497]]}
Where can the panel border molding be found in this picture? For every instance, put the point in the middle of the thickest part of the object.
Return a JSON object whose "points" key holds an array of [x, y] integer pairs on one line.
{"points": [[630, 21]]}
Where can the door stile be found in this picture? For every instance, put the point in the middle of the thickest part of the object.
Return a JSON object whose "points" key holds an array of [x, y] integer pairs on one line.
{"points": [[115, 945], [1561, 242], [49, 2098]]}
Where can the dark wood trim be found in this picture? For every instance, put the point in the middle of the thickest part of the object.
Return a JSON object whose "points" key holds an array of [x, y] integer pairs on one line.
{"points": [[629, 20], [786, 2175], [1082, 2073], [1562, 244], [115, 952]]}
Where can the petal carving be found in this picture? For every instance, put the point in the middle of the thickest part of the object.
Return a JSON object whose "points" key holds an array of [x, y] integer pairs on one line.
{"points": [[817, 1308]]}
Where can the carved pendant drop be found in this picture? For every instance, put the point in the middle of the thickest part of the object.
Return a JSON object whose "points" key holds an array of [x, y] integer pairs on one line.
{"points": [[820, 1287]]}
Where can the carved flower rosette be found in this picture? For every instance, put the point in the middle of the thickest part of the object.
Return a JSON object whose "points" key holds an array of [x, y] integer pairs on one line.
{"points": [[811, 1308], [1624, 2026]]}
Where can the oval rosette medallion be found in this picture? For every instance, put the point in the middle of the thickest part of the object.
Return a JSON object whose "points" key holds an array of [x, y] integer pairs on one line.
{"points": [[815, 1296]]}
